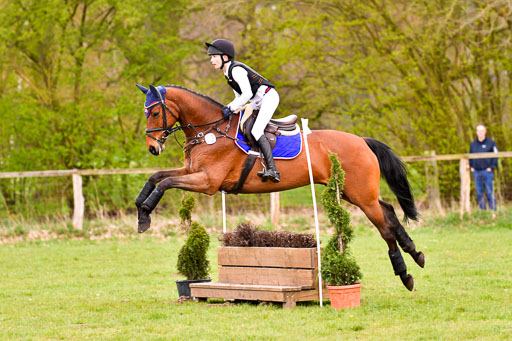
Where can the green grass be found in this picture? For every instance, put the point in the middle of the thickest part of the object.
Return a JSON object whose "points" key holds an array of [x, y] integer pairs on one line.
{"points": [[124, 289]]}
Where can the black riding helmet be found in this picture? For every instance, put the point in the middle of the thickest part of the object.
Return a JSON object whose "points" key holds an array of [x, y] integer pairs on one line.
{"points": [[221, 47]]}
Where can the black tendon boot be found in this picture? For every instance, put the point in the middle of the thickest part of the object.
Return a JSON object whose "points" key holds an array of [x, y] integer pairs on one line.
{"points": [[401, 269], [270, 172]]}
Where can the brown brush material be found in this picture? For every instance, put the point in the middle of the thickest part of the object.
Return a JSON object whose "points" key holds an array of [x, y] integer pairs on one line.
{"points": [[248, 235]]}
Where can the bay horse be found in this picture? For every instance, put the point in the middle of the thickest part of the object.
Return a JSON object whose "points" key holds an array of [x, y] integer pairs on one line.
{"points": [[209, 168]]}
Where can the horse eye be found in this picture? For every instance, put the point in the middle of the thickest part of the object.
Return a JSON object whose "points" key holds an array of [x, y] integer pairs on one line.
{"points": [[156, 113]]}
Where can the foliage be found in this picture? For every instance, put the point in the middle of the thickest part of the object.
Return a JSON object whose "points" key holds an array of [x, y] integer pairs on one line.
{"points": [[192, 258], [338, 265], [417, 75], [188, 204]]}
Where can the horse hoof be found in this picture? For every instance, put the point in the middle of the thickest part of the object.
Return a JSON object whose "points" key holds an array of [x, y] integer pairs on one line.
{"points": [[408, 281], [144, 224], [421, 259]]}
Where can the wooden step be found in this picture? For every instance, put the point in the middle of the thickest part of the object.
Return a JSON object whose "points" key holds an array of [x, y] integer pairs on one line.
{"points": [[288, 295]]}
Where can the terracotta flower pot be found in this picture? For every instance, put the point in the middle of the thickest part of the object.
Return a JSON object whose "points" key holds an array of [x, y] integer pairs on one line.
{"points": [[345, 296]]}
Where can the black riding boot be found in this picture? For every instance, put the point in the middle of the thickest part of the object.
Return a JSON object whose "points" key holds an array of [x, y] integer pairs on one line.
{"points": [[270, 172]]}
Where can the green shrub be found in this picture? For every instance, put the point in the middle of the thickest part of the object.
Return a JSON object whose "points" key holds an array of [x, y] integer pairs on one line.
{"points": [[192, 260], [338, 265], [188, 203]]}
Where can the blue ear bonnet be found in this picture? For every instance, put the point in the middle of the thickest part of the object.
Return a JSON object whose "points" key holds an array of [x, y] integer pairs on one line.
{"points": [[151, 98]]}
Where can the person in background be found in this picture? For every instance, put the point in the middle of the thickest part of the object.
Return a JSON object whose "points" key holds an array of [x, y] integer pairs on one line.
{"points": [[483, 169]]}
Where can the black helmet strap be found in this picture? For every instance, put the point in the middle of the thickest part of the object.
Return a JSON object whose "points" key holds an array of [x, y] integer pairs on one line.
{"points": [[223, 61]]}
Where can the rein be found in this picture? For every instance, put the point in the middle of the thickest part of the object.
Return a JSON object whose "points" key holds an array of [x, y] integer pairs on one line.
{"points": [[199, 137], [191, 141]]}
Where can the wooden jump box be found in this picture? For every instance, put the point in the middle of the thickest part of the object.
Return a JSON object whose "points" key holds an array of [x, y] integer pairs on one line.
{"points": [[286, 275]]}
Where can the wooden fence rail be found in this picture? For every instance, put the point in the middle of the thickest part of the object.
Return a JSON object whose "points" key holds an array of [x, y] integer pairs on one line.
{"points": [[77, 174]]}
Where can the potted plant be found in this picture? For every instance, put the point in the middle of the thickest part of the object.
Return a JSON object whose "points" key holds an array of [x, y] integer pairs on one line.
{"points": [[192, 258], [339, 268]]}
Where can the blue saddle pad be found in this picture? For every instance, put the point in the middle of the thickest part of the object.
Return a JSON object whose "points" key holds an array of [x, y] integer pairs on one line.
{"points": [[287, 147]]}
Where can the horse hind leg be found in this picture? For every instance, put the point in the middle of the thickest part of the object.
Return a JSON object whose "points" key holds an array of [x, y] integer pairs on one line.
{"points": [[402, 237], [376, 215]]}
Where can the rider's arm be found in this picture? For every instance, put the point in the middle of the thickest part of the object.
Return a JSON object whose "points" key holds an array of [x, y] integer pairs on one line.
{"points": [[241, 77]]}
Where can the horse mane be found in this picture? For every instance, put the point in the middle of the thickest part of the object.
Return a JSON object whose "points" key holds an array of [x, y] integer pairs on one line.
{"points": [[211, 100]]}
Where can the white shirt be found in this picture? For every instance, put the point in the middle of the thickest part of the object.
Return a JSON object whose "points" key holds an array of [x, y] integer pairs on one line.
{"points": [[241, 76]]}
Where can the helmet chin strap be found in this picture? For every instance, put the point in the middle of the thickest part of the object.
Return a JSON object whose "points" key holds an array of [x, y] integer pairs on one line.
{"points": [[223, 61]]}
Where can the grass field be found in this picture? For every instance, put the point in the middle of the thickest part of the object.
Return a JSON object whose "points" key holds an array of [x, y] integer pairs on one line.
{"points": [[123, 288]]}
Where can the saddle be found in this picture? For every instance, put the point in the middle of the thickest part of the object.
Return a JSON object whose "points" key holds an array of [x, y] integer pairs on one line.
{"points": [[280, 126]]}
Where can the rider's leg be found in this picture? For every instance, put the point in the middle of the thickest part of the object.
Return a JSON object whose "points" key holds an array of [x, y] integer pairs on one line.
{"points": [[269, 105]]}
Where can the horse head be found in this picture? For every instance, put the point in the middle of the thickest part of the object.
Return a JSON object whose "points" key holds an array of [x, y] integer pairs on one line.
{"points": [[160, 118]]}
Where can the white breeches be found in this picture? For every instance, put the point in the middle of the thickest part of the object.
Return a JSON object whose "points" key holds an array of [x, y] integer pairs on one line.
{"points": [[269, 104]]}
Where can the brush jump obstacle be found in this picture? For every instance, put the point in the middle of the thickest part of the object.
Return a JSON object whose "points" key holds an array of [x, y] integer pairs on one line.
{"points": [[215, 163], [274, 274]]}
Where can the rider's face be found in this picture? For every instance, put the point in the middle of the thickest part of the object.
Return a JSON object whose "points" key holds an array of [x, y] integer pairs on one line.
{"points": [[216, 60]]}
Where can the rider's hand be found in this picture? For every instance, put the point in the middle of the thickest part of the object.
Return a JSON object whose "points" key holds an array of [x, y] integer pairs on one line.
{"points": [[226, 112]]}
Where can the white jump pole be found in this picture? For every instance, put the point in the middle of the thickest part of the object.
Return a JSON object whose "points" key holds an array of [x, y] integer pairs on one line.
{"points": [[223, 212], [305, 132]]}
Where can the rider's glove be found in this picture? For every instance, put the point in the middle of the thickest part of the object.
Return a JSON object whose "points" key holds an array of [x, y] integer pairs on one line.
{"points": [[226, 112]]}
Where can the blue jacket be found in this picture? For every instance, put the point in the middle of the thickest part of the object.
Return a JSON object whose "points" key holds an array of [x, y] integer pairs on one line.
{"points": [[486, 146]]}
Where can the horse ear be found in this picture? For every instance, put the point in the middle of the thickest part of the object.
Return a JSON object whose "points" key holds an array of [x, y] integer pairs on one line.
{"points": [[143, 89], [154, 91]]}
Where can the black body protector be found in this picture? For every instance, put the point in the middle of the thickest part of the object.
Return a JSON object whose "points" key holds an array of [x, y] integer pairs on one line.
{"points": [[255, 79]]}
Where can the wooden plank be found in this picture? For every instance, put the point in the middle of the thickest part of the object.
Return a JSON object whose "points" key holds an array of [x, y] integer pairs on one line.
{"points": [[226, 286], [68, 172], [303, 258], [448, 157], [254, 292], [238, 294], [310, 295], [465, 184], [78, 211], [305, 278]]}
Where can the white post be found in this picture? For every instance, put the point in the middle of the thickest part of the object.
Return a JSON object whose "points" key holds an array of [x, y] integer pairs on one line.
{"points": [[78, 198], [223, 212], [306, 131]]}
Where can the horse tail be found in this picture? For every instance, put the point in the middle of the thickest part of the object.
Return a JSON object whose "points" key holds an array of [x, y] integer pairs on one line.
{"points": [[394, 171]]}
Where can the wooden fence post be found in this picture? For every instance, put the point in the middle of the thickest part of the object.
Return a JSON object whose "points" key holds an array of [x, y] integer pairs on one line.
{"points": [[464, 187], [274, 208], [432, 175], [78, 212]]}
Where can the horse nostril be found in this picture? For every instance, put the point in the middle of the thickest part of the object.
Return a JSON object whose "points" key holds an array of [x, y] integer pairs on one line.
{"points": [[153, 150]]}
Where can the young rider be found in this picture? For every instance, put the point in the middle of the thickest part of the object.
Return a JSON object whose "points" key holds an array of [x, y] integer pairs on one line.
{"points": [[248, 85]]}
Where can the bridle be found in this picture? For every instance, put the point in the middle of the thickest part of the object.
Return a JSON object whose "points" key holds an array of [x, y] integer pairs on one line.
{"points": [[192, 141], [166, 130]]}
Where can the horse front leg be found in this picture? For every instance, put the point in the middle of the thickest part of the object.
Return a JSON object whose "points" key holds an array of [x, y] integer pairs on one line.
{"points": [[195, 182], [150, 185]]}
